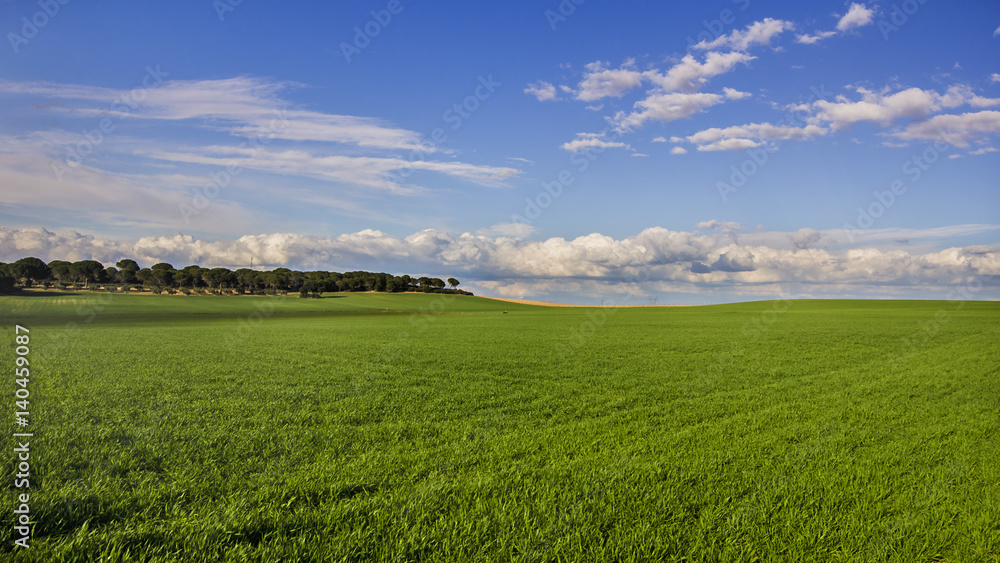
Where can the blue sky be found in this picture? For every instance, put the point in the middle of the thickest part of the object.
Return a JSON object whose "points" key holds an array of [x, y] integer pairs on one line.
{"points": [[575, 151]]}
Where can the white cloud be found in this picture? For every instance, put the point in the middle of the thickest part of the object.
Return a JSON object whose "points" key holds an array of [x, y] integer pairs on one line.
{"points": [[984, 150], [601, 82], [750, 135], [958, 130], [659, 139], [733, 94], [912, 102], [590, 141], [857, 16], [542, 90], [807, 39], [367, 171], [689, 75], [666, 108], [349, 150], [724, 226], [995, 77], [243, 106], [884, 108], [757, 33], [730, 145], [996, 32], [678, 150], [659, 256]]}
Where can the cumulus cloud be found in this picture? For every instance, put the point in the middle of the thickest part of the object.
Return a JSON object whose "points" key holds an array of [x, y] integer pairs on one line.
{"points": [[665, 108], [733, 94], [757, 33], [689, 75], [958, 130], [655, 256], [858, 15], [602, 82], [678, 150], [995, 77], [884, 107], [542, 90]]}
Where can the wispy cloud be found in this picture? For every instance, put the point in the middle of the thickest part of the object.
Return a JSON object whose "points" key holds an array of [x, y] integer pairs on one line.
{"points": [[591, 141]]}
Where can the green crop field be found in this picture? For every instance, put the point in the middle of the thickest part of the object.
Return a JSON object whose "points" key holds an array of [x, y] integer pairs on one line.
{"points": [[373, 427]]}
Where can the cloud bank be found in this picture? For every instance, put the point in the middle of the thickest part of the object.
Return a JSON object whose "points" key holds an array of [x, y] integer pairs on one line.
{"points": [[656, 259]]}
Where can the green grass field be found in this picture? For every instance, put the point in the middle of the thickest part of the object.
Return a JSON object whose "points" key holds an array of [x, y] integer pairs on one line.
{"points": [[373, 427]]}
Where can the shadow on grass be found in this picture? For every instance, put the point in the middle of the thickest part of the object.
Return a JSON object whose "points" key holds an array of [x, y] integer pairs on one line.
{"points": [[47, 293]]}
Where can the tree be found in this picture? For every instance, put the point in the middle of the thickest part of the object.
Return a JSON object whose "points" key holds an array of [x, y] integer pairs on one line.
{"points": [[192, 276], [60, 270], [184, 278], [128, 265], [437, 283], [7, 281], [144, 275], [163, 276], [219, 278], [453, 283], [161, 266], [88, 271], [127, 270], [309, 289], [28, 269]]}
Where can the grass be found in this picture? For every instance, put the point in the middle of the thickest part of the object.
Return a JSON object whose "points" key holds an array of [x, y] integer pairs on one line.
{"points": [[210, 429]]}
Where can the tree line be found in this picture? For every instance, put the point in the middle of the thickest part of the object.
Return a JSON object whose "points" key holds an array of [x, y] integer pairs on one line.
{"points": [[163, 277]]}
